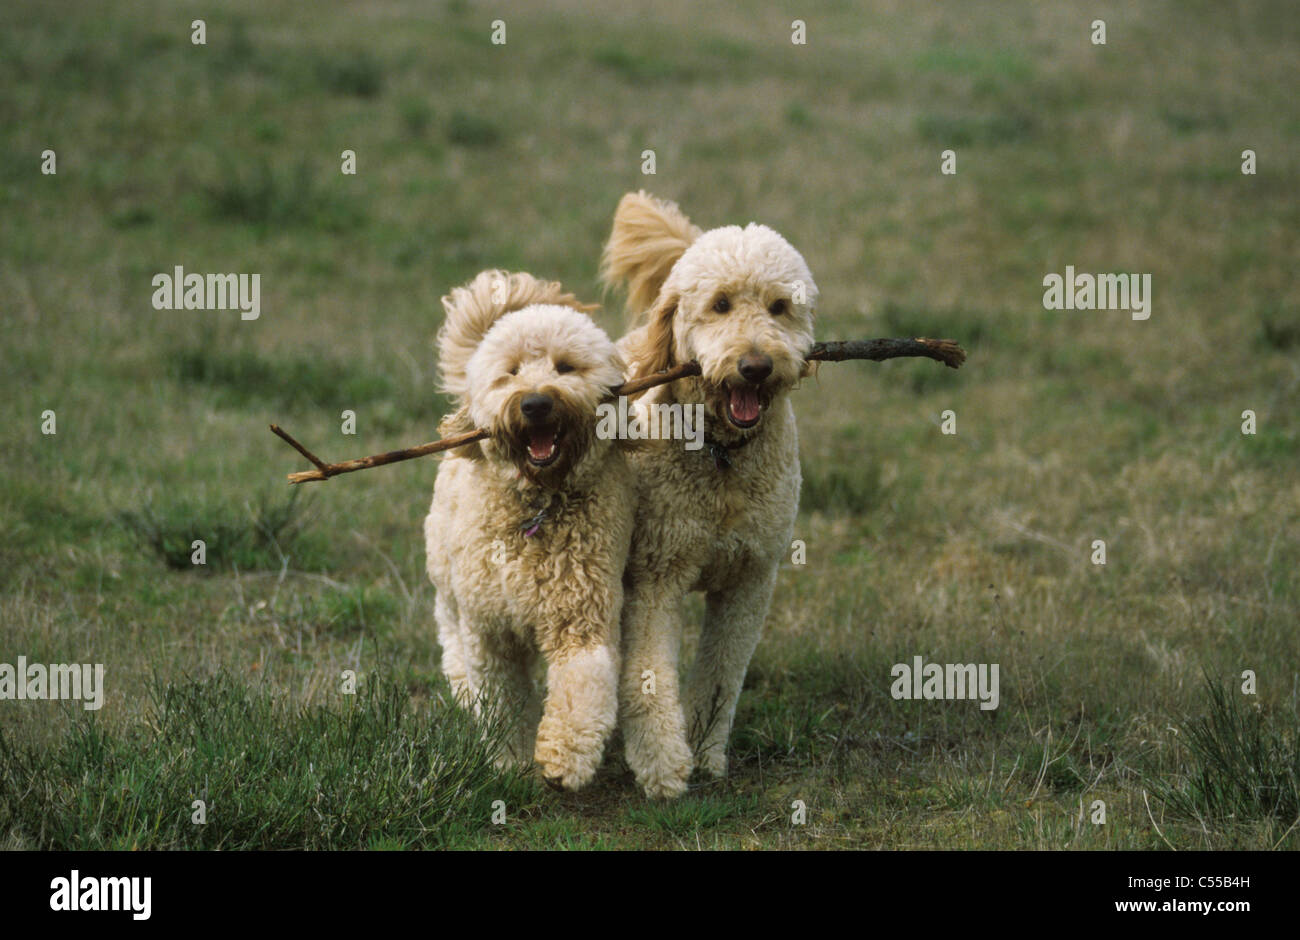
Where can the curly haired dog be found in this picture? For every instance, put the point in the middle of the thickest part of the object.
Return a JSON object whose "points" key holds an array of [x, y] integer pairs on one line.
{"points": [[528, 533], [739, 301]]}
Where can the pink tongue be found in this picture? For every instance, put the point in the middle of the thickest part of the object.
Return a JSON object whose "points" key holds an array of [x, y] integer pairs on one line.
{"points": [[744, 403], [541, 444]]}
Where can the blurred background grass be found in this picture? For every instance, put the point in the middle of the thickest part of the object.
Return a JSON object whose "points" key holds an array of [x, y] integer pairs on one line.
{"points": [[1072, 425]]}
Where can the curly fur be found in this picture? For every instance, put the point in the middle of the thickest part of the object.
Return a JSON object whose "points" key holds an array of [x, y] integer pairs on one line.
{"points": [[721, 530], [477, 306], [503, 597]]}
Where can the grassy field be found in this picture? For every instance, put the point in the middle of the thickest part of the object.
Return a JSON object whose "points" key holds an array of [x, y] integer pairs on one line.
{"points": [[1119, 683]]}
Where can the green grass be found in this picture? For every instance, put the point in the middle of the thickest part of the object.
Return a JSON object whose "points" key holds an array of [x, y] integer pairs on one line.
{"points": [[471, 130], [961, 130], [689, 816], [265, 195], [241, 377], [363, 771], [841, 490], [352, 73], [1071, 426], [1245, 761], [263, 536], [1279, 329]]}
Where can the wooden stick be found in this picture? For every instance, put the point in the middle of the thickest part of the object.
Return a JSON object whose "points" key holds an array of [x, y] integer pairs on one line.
{"points": [[685, 370], [941, 350], [325, 471], [284, 435]]}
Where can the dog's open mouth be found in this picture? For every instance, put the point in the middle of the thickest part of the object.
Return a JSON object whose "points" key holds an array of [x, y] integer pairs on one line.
{"points": [[744, 406], [543, 445]]}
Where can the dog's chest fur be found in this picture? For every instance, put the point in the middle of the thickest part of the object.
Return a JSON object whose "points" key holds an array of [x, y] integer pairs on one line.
{"points": [[544, 581], [723, 519]]}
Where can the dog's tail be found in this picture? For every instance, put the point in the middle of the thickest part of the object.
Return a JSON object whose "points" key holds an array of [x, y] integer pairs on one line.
{"points": [[473, 308], [648, 237]]}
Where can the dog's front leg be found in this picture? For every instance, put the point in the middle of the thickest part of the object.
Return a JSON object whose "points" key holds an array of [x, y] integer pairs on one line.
{"points": [[492, 676], [733, 623], [654, 731], [455, 662], [581, 705]]}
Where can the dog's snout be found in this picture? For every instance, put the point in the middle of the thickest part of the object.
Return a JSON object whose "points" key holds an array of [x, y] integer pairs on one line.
{"points": [[755, 367], [536, 407]]}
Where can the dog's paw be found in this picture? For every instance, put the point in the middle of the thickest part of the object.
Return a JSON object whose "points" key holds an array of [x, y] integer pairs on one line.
{"points": [[573, 775], [713, 760], [663, 776], [565, 768], [668, 788]]}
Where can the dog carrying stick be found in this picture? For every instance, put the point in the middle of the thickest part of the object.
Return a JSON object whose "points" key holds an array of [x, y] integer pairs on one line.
{"points": [[940, 350]]}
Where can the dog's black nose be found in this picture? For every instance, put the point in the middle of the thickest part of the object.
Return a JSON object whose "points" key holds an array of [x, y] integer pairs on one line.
{"points": [[755, 367], [536, 407]]}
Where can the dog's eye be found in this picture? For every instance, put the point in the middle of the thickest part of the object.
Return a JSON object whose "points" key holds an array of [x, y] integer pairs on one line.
{"points": [[778, 307], [563, 367], [721, 305], [514, 369]]}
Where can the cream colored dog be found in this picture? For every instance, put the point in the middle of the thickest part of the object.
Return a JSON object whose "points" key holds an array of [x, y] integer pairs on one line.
{"points": [[528, 533], [740, 302]]}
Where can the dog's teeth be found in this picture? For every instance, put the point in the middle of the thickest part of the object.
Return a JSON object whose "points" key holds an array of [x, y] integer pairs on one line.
{"points": [[541, 445]]}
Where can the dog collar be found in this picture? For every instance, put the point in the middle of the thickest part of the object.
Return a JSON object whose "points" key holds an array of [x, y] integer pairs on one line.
{"points": [[533, 524], [718, 451]]}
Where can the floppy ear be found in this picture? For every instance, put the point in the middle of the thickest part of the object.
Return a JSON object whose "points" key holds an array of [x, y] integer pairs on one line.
{"points": [[650, 348]]}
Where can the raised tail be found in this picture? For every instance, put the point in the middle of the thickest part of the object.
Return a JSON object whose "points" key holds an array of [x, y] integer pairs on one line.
{"points": [[648, 237]]}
